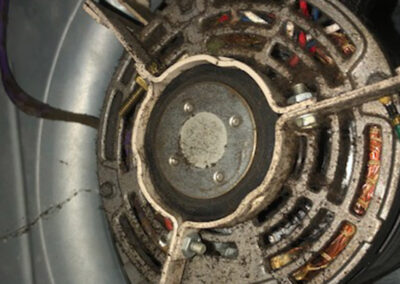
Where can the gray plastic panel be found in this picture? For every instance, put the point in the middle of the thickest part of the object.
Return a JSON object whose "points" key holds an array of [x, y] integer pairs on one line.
{"points": [[60, 55]]}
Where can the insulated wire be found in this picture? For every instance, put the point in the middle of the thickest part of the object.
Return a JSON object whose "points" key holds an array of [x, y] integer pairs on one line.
{"points": [[19, 97]]}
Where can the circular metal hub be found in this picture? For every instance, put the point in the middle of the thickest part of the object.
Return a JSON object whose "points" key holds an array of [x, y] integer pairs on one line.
{"points": [[208, 122], [203, 140]]}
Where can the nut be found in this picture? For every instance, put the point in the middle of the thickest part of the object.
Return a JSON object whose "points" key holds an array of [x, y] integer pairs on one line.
{"points": [[300, 98], [306, 121], [192, 245]]}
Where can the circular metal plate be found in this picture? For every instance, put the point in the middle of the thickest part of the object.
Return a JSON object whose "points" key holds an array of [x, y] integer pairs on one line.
{"points": [[206, 141], [203, 142]]}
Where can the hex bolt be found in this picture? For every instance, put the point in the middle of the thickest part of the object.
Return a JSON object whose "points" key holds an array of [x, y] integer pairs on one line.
{"points": [[135, 97], [188, 108], [300, 94], [192, 245], [173, 161], [218, 177], [235, 121], [306, 121], [198, 248]]}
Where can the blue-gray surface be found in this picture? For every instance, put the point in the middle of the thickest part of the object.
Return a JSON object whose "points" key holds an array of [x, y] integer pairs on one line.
{"points": [[61, 56]]}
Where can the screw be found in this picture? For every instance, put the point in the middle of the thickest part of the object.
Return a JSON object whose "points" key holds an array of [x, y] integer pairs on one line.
{"points": [[218, 177], [299, 89], [164, 240], [198, 247], [235, 121], [300, 94], [188, 108], [106, 190], [192, 245], [173, 161], [135, 97]]}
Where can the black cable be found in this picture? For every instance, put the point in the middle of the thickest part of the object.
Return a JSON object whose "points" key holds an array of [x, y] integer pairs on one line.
{"points": [[19, 97]]}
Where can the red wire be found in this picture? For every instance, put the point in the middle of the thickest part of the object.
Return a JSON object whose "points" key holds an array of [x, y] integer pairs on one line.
{"points": [[223, 18], [168, 224], [302, 39], [304, 8]]}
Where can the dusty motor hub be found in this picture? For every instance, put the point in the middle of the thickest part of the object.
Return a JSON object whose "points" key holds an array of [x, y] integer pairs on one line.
{"points": [[234, 137], [209, 141]]}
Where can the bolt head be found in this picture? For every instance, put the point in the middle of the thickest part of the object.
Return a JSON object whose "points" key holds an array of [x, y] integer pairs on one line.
{"points": [[218, 177], [198, 248], [235, 121], [106, 190], [173, 161], [192, 245], [188, 108], [306, 121]]}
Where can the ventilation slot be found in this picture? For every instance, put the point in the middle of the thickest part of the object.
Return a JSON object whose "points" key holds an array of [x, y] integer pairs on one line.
{"points": [[236, 41], [138, 245], [318, 173], [275, 206], [319, 225], [300, 158], [155, 35], [112, 127], [323, 60], [344, 168], [320, 262], [128, 74], [290, 223], [172, 47], [221, 3], [333, 30], [240, 19], [276, 80], [147, 225]]}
